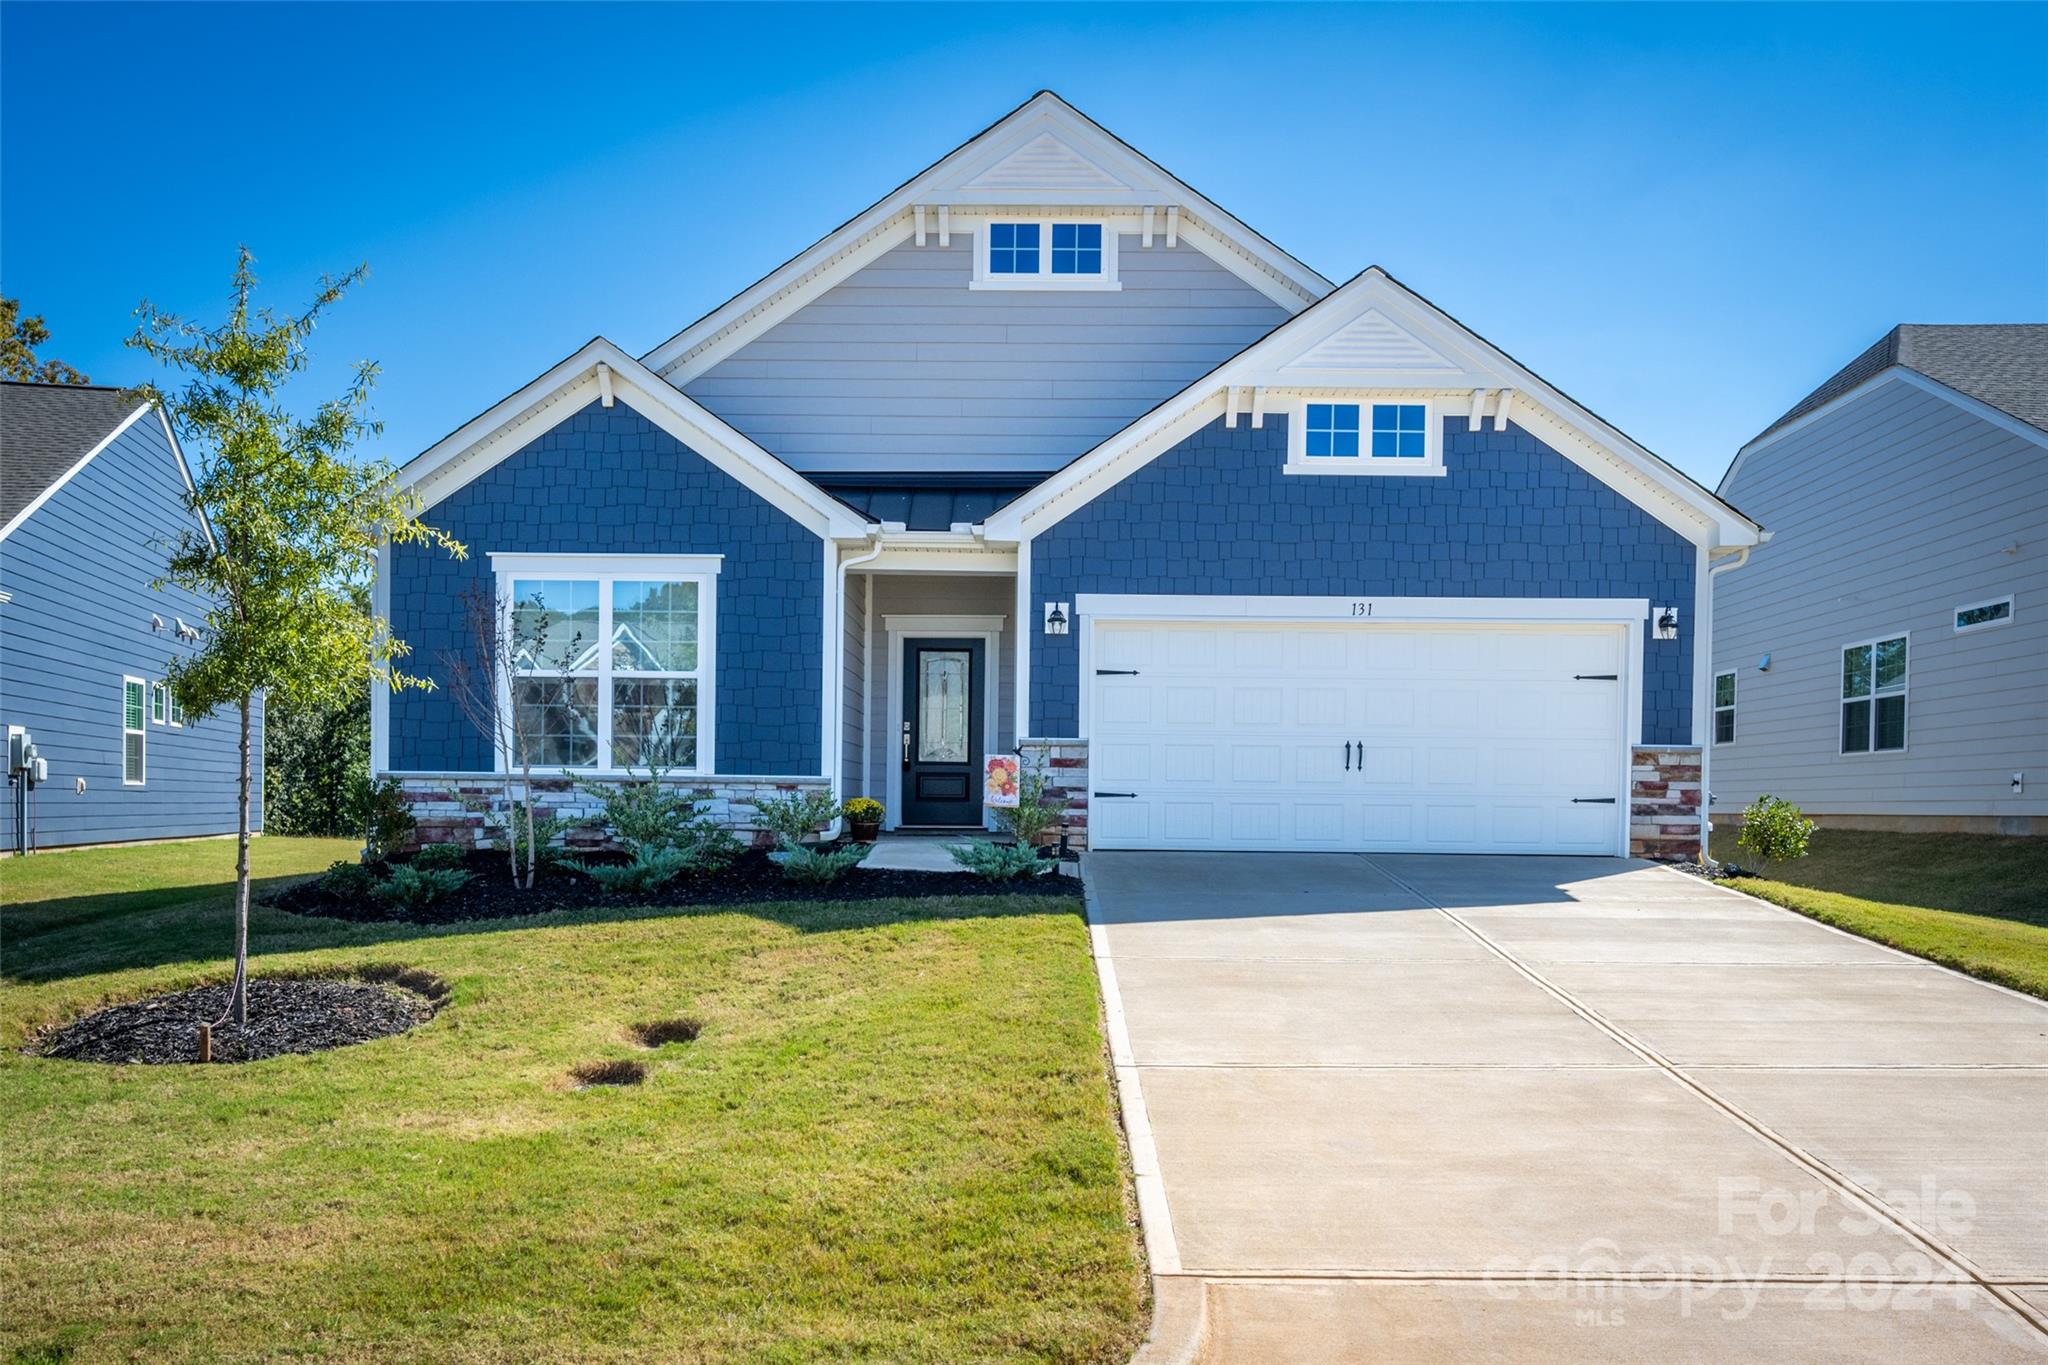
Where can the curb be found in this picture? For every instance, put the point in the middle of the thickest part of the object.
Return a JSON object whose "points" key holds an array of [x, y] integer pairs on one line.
{"points": [[1180, 1322]]}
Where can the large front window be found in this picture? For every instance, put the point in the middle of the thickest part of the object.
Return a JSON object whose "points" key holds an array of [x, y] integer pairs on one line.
{"points": [[1874, 696], [611, 670]]}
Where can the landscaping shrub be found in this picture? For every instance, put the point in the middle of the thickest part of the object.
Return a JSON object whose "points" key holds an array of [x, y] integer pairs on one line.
{"points": [[998, 862], [1035, 815], [650, 868], [1774, 831], [644, 817], [440, 856], [815, 866], [549, 830], [413, 888], [796, 817], [316, 764], [387, 819], [349, 880]]}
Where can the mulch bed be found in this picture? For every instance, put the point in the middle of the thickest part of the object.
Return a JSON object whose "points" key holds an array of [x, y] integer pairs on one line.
{"points": [[1713, 872], [285, 1015], [751, 879]]}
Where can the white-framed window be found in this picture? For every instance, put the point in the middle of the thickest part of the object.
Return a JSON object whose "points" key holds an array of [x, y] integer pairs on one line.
{"points": [[1045, 253], [134, 738], [157, 702], [613, 659], [1984, 615], [1724, 708], [1367, 434], [1874, 696], [177, 709]]}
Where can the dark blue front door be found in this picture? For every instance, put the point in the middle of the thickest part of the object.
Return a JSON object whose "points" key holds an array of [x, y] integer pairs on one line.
{"points": [[941, 738]]}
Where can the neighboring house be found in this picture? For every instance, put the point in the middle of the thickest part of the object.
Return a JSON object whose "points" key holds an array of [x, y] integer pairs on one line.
{"points": [[1046, 453], [92, 496], [1883, 662]]}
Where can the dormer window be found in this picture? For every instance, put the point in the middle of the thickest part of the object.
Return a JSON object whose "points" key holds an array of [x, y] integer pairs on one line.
{"points": [[1363, 437], [1044, 253]]}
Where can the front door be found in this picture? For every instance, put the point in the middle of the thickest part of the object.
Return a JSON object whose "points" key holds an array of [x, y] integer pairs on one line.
{"points": [[941, 739]]}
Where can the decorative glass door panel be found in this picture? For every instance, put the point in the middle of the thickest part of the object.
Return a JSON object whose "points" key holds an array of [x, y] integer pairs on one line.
{"points": [[942, 732]]}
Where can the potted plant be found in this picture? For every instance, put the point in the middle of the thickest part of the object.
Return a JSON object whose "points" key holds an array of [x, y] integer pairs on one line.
{"points": [[864, 814]]}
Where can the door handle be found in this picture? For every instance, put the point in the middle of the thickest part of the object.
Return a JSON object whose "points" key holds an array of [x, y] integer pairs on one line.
{"points": [[906, 743], [1347, 755]]}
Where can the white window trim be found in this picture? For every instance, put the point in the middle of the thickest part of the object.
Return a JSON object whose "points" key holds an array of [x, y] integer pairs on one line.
{"points": [[177, 712], [1299, 461], [604, 570], [1715, 708], [1961, 629], [1901, 691], [142, 730], [1045, 279], [159, 703]]}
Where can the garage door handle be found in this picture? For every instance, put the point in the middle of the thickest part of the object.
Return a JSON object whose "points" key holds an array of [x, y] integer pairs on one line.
{"points": [[1592, 800], [1347, 755], [1596, 677], [1129, 795], [1116, 672]]}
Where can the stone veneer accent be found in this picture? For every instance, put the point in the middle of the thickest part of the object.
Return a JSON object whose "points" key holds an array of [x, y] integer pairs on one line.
{"points": [[1665, 803], [443, 819], [1065, 765]]}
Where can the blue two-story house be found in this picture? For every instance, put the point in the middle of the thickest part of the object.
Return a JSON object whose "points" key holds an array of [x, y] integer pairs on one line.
{"points": [[92, 496], [1046, 453]]}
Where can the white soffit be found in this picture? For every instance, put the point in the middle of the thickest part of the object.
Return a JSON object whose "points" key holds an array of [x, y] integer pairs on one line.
{"points": [[1044, 155]]}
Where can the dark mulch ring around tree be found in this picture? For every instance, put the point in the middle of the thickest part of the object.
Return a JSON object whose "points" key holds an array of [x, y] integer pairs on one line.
{"points": [[286, 1014], [751, 879]]}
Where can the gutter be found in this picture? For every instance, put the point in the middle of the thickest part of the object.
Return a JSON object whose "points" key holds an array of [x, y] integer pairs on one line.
{"points": [[835, 706]]}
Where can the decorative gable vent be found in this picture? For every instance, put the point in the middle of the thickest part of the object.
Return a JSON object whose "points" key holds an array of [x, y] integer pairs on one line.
{"points": [[1045, 163], [1372, 342]]}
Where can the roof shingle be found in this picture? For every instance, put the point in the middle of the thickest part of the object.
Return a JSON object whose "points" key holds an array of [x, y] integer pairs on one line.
{"points": [[2002, 364], [46, 428]]}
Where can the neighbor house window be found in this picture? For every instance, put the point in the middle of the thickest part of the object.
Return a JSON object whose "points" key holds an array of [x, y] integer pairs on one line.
{"points": [[1984, 614], [1400, 431], [612, 670], [177, 709], [1874, 696], [156, 703], [1077, 248], [132, 737], [1045, 255], [1331, 430], [1013, 248], [1724, 708]]}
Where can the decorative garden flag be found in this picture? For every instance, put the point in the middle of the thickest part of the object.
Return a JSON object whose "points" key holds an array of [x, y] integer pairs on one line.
{"points": [[999, 787]]}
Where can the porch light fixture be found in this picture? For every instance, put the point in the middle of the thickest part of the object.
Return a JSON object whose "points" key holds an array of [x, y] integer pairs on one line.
{"points": [[1667, 623], [1055, 618]]}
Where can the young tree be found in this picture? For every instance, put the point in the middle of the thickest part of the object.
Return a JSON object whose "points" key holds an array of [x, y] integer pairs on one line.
{"points": [[286, 532], [19, 337]]}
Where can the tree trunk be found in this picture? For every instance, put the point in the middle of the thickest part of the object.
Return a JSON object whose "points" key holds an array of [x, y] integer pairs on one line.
{"points": [[532, 853], [238, 993]]}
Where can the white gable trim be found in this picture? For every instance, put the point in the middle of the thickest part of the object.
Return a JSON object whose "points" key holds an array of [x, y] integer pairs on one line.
{"points": [[1044, 155], [36, 503], [1409, 346], [598, 371], [1895, 374]]}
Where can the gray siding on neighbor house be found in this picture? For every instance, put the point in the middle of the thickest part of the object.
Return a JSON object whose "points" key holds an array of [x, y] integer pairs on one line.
{"points": [[933, 595], [853, 701], [80, 572], [1886, 515], [903, 367]]}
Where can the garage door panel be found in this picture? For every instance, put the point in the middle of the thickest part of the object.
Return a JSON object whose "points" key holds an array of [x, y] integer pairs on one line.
{"points": [[1357, 735]]}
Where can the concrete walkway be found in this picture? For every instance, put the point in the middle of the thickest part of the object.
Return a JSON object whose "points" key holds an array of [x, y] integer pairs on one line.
{"points": [[1398, 1108]]}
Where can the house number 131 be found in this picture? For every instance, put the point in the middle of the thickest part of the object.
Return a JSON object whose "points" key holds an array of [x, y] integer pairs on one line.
{"points": [[1361, 608]]}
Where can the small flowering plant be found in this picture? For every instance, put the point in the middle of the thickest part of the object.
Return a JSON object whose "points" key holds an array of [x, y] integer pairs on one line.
{"points": [[863, 810]]}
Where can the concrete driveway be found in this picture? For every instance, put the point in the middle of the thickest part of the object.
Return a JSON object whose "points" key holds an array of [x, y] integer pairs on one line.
{"points": [[1399, 1108]]}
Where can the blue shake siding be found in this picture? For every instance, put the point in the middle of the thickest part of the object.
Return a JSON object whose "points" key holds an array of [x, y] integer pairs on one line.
{"points": [[1511, 518], [608, 481]]}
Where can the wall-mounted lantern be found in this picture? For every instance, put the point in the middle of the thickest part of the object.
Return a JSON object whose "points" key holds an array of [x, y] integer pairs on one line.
{"points": [[1055, 618]]}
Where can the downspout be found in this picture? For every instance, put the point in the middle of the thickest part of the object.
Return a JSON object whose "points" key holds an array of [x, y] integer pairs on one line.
{"points": [[1714, 571], [835, 762]]}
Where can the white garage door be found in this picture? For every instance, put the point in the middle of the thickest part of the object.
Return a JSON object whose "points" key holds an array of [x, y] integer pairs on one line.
{"points": [[1373, 737]]}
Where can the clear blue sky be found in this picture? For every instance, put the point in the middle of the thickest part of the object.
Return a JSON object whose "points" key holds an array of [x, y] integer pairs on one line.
{"points": [[1684, 216]]}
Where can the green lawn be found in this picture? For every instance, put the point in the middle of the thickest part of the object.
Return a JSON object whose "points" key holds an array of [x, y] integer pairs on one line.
{"points": [[1975, 902], [893, 1141]]}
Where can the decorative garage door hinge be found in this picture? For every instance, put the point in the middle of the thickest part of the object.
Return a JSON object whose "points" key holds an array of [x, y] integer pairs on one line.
{"points": [[1596, 677], [1592, 800], [1116, 672], [1130, 795]]}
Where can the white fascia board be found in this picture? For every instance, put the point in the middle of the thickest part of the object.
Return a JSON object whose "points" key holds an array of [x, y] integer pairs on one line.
{"points": [[1574, 432], [56, 485], [1895, 374], [509, 425], [890, 222]]}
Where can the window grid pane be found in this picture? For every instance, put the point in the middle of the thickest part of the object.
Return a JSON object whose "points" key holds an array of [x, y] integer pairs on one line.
{"points": [[1891, 664], [654, 723], [1891, 724], [557, 721], [1856, 727], [1077, 248], [1724, 689], [1330, 429], [156, 703], [654, 626], [1856, 671], [131, 705], [1013, 249], [554, 625], [1400, 431], [1724, 726]]}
